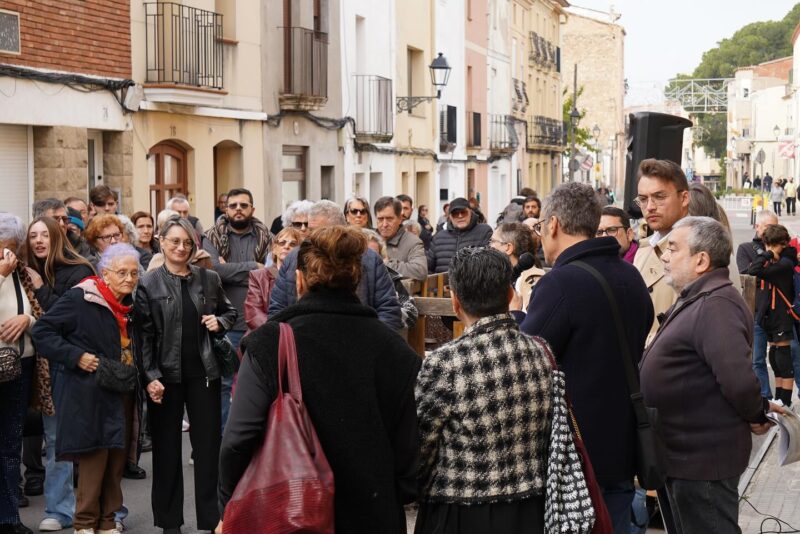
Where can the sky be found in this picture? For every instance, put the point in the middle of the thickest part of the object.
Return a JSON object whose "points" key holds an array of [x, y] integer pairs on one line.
{"points": [[666, 37]]}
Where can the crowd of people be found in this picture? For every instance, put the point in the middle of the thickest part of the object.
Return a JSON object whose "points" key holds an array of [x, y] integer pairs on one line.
{"points": [[117, 323]]}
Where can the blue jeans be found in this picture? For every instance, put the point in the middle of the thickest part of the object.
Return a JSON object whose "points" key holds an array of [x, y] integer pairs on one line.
{"points": [[618, 498], [235, 337], [59, 495], [760, 360]]}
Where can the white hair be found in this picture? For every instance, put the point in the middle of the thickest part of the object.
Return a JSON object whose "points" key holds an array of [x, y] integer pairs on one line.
{"points": [[298, 207], [115, 252], [763, 215], [130, 229], [12, 229], [177, 200]]}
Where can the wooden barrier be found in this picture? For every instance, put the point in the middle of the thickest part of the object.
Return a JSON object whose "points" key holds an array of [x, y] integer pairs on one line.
{"points": [[433, 300], [749, 284]]}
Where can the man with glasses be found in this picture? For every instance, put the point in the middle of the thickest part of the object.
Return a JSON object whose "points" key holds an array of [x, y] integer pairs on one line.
{"points": [[664, 200], [237, 243], [462, 230], [615, 223]]}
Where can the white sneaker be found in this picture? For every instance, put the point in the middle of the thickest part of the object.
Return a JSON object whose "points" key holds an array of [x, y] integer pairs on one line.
{"points": [[50, 524], [109, 531], [120, 526], [85, 531]]}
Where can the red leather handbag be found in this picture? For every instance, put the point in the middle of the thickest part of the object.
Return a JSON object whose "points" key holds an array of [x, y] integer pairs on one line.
{"points": [[288, 486]]}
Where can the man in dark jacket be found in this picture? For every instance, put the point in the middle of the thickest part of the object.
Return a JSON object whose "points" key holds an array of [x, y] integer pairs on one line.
{"points": [[375, 290], [745, 254], [700, 381], [462, 230], [569, 309]]}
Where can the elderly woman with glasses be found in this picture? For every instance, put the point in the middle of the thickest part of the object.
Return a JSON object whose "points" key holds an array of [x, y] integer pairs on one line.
{"points": [[103, 231], [296, 216], [179, 308], [86, 333], [356, 211], [261, 281]]}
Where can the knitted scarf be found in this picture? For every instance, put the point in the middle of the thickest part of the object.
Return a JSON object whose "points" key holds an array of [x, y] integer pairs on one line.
{"points": [[218, 235]]}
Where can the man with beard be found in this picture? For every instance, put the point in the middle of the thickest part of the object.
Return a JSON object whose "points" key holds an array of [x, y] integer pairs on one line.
{"points": [[237, 243]]}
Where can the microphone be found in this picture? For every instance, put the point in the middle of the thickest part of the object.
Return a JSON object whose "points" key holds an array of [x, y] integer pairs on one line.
{"points": [[526, 261]]}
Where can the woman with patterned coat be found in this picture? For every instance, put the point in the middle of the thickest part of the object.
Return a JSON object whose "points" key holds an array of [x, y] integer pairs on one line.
{"points": [[484, 412]]}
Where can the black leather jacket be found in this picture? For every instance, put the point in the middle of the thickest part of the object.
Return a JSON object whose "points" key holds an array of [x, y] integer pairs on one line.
{"points": [[158, 316]]}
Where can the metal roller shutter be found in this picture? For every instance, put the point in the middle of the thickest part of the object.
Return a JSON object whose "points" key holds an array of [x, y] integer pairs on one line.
{"points": [[14, 172]]}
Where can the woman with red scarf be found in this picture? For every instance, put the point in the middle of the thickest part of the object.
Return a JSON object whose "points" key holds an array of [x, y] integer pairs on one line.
{"points": [[86, 331]]}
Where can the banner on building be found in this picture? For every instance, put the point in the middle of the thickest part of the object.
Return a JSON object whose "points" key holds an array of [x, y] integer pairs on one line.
{"points": [[786, 148]]}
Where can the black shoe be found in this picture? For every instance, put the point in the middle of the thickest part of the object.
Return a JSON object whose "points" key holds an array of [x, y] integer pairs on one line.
{"points": [[134, 472], [23, 502], [146, 445], [19, 528], [172, 530], [34, 486]]}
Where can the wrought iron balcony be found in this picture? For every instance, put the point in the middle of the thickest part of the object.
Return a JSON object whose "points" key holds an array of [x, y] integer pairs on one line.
{"points": [[474, 130], [374, 103], [305, 69], [544, 132], [544, 53], [519, 97], [503, 139], [448, 128], [184, 45]]}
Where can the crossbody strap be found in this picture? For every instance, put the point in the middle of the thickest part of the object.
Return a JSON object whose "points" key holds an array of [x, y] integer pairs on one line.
{"points": [[627, 360], [203, 282], [20, 308]]}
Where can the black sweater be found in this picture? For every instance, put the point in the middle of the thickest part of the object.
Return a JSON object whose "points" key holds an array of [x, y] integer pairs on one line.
{"points": [[358, 380], [66, 276]]}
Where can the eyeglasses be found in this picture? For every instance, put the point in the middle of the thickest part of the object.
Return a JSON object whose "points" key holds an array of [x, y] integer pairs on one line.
{"points": [[239, 205], [537, 228], [493, 240], [286, 243], [458, 212], [61, 218], [356, 211], [110, 237], [174, 241], [659, 199], [122, 275], [298, 224], [610, 231]]}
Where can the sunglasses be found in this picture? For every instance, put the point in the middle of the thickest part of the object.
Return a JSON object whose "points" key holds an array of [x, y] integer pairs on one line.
{"points": [[356, 211], [239, 205], [285, 242], [298, 224]]}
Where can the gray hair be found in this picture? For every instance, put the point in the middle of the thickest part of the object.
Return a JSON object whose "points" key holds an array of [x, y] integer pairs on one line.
{"points": [[177, 199], [131, 233], [115, 252], [709, 236], [177, 220], [413, 226], [298, 207], [162, 217], [12, 229], [372, 235], [41, 207], [329, 211], [763, 215], [576, 207]]}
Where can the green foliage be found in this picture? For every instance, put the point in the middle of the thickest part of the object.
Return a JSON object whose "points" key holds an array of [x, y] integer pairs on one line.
{"points": [[752, 44], [583, 136]]}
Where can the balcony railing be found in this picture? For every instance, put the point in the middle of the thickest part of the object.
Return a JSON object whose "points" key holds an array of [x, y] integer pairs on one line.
{"points": [[473, 129], [502, 135], [544, 53], [305, 69], [544, 131], [519, 97], [448, 128], [184, 45], [374, 119]]}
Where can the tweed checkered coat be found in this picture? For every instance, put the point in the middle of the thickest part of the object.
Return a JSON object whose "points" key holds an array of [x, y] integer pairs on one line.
{"points": [[484, 414]]}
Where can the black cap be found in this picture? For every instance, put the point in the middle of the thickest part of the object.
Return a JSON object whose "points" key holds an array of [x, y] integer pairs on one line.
{"points": [[459, 203]]}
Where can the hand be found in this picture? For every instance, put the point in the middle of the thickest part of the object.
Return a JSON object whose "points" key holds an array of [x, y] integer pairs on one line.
{"points": [[218, 530], [516, 302], [260, 265], [11, 329], [776, 408], [35, 278], [222, 261], [156, 391], [211, 322], [759, 428], [8, 262], [89, 362]]}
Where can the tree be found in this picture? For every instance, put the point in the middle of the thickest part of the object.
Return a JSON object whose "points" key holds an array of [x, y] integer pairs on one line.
{"points": [[583, 137]]}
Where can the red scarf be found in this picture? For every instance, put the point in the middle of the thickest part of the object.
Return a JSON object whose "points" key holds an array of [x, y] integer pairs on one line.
{"points": [[119, 310]]}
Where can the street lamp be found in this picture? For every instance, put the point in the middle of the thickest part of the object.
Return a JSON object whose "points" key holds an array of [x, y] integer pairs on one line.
{"points": [[440, 75], [596, 135], [574, 118], [776, 132]]}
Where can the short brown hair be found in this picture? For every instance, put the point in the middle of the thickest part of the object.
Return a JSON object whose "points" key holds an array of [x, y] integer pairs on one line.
{"points": [[330, 257], [665, 170], [776, 234], [99, 222], [140, 215], [100, 194]]}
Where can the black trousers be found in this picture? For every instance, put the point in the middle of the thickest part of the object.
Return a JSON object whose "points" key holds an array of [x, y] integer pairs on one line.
{"points": [[202, 401], [790, 203]]}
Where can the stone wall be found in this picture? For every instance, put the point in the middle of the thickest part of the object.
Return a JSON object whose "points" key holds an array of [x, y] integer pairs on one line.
{"points": [[118, 166], [60, 162]]}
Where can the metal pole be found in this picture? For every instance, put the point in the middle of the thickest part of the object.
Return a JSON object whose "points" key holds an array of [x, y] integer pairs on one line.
{"points": [[572, 122]]}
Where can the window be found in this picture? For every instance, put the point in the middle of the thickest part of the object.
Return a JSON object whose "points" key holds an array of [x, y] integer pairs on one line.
{"points": [[293, 164], [166, 173], [416, 79], [9, 32]]}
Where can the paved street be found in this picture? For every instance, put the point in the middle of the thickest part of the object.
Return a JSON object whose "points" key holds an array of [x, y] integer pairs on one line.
{"points": [[772, 489]]}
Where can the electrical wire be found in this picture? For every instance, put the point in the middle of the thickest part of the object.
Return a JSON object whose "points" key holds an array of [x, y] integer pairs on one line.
{"points": [[768, 517]]}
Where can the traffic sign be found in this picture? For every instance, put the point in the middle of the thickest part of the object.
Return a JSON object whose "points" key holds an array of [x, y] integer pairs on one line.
{"points": [[574, 165]]}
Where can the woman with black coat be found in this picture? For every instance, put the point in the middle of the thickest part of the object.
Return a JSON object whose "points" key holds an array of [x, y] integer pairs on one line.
{"points": [[775, 267], [358, 389], [178, 308]]}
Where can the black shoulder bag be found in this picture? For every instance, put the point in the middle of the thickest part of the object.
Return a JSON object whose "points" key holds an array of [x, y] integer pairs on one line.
{"points": [[10, 357], [649, 447], [223, 349]]}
